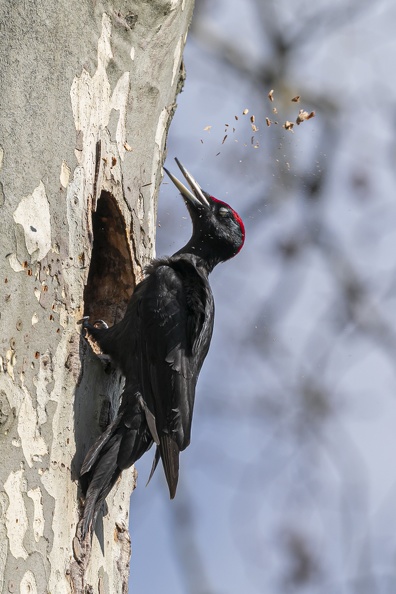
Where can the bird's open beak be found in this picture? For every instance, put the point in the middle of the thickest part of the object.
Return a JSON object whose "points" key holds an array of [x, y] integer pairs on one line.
{"points": [[196, 196]]}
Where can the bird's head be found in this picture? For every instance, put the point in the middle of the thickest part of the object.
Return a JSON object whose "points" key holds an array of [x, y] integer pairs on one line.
{"points": [[218, 231]]}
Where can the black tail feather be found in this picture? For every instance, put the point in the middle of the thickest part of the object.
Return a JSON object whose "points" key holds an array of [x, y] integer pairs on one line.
{"points": [[94, 451], [124, 441], [155, 463], [169, 451], [104, 476]]}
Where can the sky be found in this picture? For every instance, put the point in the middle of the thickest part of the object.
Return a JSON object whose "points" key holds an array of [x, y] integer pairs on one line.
{"points": [[289, 482]]}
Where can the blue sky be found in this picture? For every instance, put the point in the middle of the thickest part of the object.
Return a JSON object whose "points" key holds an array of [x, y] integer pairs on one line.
{"points": [[291, 460]]}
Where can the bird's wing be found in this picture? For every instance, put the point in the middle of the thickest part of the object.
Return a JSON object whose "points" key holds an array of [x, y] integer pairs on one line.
{"points": [[173, 314], [160, 346]]}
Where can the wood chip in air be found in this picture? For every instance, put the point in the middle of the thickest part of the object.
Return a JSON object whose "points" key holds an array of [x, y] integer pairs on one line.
{"points": [[296, 99], [268, 122], [271, 95], [252, 119], [254, 128], [207, 128], [288, 126], [236, 117], [304, 115], [224, 139], [245, 112], [274, 110]]}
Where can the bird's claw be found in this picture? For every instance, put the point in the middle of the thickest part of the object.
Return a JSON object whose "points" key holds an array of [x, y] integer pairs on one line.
{"points": [[98, 324], [85, 323], [83, 320]]}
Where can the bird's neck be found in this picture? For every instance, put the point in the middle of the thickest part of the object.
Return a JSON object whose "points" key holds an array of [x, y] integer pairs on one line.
{"points": [[204, 258]]}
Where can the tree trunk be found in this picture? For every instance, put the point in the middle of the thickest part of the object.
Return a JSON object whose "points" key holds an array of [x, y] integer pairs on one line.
{"points": [[88, 91]]}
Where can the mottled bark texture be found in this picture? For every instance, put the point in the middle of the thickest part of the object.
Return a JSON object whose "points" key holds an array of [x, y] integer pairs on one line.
{"points": [[87, 93]]}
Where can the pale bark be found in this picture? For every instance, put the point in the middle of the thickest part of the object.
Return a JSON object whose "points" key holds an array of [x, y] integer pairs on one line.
{"points": [[87, 94]]}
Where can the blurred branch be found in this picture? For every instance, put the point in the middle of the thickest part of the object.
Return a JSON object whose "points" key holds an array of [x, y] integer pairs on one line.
{"points": [[326, 19]]}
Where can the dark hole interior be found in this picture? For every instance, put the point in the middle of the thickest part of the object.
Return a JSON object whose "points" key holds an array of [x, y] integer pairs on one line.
{"points": [[110, 280]]}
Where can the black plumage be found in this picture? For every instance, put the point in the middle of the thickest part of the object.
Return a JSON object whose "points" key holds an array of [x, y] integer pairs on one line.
{"points": [[160, 346]]}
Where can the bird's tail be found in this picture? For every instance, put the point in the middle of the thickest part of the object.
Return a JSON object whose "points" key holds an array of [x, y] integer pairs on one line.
{"points": [[104, 470], [123, 442], [169, 452]]}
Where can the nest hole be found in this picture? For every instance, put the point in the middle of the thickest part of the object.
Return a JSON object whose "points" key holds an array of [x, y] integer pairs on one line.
{"points": [[110, 279]]}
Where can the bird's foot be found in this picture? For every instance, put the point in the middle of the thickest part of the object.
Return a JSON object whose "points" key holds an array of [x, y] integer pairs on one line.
{"points": [[89, 332], [98, 324]]}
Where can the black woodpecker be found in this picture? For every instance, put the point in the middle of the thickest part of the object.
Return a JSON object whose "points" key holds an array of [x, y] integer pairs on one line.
{"points": [[160, 346]]}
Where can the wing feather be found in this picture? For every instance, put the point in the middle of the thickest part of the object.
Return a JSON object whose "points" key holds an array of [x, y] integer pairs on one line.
{"points": [[160, 346], [169, 365]]}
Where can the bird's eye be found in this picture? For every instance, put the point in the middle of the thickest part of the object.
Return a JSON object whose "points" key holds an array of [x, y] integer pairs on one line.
{"points": [[223, 211]]}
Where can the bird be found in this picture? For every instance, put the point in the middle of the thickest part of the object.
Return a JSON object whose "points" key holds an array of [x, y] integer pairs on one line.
{"points": [[160, 346]]}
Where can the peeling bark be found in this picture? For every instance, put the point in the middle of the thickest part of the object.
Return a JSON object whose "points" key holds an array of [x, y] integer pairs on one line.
{"points": [[88, 92]]}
